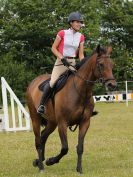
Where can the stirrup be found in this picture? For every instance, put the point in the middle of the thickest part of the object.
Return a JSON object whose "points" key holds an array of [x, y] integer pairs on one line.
{"points": [[41, 109]]}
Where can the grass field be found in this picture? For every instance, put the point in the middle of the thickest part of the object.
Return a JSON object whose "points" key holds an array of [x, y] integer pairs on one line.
{"points": [[108, 148]]}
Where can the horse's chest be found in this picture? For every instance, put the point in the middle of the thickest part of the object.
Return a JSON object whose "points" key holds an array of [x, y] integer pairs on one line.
{"points": [[74, 116]]}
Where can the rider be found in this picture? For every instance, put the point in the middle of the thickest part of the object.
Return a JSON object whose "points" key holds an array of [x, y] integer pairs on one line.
{"points": [[68, 43]]}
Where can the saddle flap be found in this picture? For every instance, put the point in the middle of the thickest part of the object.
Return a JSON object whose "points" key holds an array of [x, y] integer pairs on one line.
{"points": [[59, 84], [42, 85]]}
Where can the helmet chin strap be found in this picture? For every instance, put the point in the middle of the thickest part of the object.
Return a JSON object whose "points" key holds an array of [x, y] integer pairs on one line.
{"points": [[74, 29]]}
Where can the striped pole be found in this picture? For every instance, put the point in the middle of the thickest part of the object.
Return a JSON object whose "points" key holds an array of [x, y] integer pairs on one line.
{"points": [[126, 94]]}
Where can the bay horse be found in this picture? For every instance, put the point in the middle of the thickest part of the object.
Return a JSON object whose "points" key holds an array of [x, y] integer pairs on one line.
{"points": [[72, 105]]}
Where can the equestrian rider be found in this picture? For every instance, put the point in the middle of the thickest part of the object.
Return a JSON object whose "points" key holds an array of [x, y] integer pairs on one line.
{"points": [[68, 43]]}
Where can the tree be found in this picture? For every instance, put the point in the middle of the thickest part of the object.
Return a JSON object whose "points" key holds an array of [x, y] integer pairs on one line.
{"points": [[28, 29], [117, 23], [117, 30]]}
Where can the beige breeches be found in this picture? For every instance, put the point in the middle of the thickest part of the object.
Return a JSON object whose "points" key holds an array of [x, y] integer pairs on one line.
{"points": [[59, 69]]}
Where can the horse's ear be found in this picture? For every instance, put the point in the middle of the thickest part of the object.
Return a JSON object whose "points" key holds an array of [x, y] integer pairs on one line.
{"points": [[98, 49], [109, 50]]}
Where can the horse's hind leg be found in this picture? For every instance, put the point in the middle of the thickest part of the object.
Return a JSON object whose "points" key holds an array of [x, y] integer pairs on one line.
{"points": [[62, 128], [44, 135], [83, 127], [38, 162], [36, 129]]}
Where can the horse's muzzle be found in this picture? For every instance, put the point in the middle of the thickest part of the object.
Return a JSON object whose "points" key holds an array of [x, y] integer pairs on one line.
{"points": [[111, 85]]}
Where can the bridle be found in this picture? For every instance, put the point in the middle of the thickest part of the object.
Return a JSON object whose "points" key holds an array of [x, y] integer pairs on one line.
{"points": [[100, 80]]}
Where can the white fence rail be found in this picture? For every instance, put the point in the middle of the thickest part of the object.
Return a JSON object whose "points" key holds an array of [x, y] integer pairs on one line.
{"points": [[15, 121]]}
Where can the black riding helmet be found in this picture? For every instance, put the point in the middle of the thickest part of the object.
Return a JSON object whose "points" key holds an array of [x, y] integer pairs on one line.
{"points": [[75, 16]]}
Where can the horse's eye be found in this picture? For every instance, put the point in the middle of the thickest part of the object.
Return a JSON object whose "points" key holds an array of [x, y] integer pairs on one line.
{"points": [[101, 66]]}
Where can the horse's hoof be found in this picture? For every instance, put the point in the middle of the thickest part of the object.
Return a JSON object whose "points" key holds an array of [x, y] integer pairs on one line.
{"points": [[51, 161], [79, 170], [35, 163], [41, 171]]}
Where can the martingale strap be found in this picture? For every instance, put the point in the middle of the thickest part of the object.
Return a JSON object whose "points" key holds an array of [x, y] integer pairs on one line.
{"points": [[73, 130]]}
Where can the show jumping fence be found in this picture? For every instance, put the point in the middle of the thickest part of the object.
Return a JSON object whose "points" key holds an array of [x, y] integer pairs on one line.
{"points": [[124, 95], [12, 120]]}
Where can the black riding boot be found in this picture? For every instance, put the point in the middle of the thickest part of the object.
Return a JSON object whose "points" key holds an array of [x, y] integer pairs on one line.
{"points": [[47, 92]]}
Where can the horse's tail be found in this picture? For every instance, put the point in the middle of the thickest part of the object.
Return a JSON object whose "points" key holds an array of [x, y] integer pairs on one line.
{"points": [[94, 113]]}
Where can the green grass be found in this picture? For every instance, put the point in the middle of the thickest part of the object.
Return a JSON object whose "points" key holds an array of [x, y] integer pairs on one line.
{"points": [[108, 148]]}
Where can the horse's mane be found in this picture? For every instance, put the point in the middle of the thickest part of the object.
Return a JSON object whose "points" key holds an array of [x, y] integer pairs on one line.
{"points": [[79, 64]]}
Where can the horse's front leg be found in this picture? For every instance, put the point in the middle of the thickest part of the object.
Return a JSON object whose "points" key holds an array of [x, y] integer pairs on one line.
{"points": [[83, 127], [62, 128]]}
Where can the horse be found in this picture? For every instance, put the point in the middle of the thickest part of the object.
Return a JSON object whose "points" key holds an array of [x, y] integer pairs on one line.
{"points": [[72, 105]]}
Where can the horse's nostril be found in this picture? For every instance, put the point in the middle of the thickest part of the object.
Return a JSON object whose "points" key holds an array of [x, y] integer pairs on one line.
{"points": [[111, 86], [114, 87]]}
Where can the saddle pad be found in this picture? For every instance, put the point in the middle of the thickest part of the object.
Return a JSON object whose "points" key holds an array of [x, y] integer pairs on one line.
{"points": [[59, 84]]}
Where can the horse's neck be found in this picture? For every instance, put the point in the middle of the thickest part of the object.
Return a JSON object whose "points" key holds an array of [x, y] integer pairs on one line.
{"points": [[87, 70]]}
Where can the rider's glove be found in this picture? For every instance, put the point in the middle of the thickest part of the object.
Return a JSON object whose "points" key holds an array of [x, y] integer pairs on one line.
{"points": [[65, 62]]}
